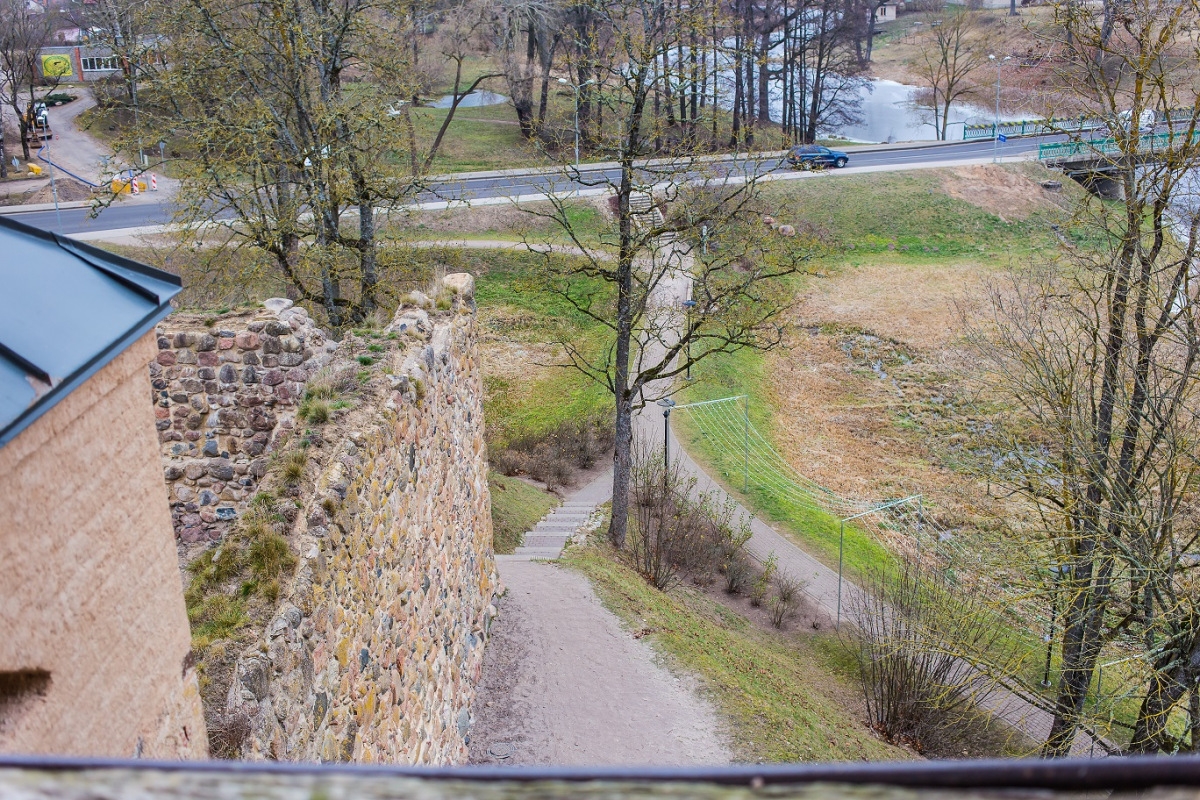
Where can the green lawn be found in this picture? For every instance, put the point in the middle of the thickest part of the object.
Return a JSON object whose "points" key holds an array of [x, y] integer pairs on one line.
{"points": [[517, 310]]}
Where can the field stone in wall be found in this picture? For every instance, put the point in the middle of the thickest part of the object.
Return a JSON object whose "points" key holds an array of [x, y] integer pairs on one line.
{"points": [[223, 389], [377, 648]]}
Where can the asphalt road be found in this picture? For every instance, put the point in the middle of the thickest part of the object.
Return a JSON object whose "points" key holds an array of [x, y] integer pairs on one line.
{"points": [[120, 216]]}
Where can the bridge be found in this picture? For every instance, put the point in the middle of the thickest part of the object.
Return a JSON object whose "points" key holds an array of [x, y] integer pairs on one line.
{"points": [[1053, 125], [1093, 162]]}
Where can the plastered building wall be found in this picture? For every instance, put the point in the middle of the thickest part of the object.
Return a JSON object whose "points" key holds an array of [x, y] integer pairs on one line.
{"points": [[94, 641]]}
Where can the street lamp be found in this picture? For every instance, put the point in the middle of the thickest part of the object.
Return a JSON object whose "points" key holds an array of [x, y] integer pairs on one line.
{"points": [[996, 127], [576, 88], [689, 305], [1057, 571], [666, 404]]}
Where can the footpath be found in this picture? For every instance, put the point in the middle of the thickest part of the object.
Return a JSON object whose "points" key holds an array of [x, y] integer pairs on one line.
{"points": [[565, 683]]}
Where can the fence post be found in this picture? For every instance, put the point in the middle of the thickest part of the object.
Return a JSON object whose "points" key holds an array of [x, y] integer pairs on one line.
{"points": [[746, 446], [841, 552]]}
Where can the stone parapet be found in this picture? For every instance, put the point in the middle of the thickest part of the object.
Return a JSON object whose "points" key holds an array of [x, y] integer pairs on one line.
{"points": [[223, 389]]}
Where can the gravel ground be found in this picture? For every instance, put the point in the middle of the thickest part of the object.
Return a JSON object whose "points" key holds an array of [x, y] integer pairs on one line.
{"points": [[564, 683]]}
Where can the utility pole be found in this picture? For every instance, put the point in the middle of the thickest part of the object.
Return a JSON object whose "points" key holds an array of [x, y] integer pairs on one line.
{"points": [[996, 124]]}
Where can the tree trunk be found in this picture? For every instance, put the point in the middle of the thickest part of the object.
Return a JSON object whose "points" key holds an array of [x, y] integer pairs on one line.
{"points": [[622, 451], [622, 466], [871, 33], [735, 138], [1164, 693], [1081, 651], [367, 254], [764, 95]]}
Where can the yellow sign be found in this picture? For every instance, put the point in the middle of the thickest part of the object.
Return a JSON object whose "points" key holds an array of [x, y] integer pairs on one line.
{"points": [[57, 66]]}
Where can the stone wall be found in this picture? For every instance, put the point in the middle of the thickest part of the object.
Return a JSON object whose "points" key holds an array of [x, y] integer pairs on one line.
{"points": [[224, 389], [377, 645]]}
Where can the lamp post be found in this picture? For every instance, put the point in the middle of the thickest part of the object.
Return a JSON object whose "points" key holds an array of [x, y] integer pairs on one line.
{"points": [[666, 404], [996, 127], [576, 88], [689, 305], [53, 185], [1057, 571]]}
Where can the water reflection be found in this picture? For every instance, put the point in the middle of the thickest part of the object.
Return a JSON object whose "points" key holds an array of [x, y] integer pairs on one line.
{"points": [[890, 114]]}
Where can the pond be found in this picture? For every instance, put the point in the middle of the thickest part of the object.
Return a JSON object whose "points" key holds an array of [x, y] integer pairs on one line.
{"points": [[474, 99], [890, 114]]}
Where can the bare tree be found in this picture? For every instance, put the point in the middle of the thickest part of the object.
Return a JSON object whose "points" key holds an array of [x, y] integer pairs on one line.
{"points": [[527, 41], [24, 31], [1099, 352], [273, 147], [949, 55], [631, 283]]}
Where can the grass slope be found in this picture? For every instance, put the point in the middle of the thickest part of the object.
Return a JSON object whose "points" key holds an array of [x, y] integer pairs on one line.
{"points": [[527, 390], [782, 695], [516, 508]]}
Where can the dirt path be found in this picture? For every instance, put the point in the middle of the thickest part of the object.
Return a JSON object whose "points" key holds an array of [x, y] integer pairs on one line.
{"points": [[565, 683]]}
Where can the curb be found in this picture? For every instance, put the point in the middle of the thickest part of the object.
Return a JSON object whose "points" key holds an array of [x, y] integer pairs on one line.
{"points": [[70, 204]]}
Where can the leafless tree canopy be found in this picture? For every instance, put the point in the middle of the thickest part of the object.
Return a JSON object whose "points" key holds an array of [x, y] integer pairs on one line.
{"points": [[1096, 352]]}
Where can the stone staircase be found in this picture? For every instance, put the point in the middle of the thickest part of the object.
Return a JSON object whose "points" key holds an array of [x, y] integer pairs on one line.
{"points": [[648, 215], [552, 532]]}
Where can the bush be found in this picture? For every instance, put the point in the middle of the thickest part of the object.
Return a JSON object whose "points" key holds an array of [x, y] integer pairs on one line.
{"points": [[920, 644], [738, 575], [554, 456], [787, 597], [762, 584], [677, 530]]}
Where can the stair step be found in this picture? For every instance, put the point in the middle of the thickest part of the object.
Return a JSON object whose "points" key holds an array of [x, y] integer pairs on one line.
{"points": [[539, 552], [545, 541]]}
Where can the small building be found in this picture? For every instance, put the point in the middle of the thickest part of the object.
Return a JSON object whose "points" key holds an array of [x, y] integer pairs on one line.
{"points": [[886, 12], [94, 639], [76, 62]]}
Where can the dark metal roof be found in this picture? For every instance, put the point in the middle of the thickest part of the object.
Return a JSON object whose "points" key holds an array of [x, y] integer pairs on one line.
{"points": [[66, 310]]}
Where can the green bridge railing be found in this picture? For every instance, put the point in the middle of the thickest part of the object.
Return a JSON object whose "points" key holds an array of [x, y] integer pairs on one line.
{"points": [[1062, 151], [1033, 127]]}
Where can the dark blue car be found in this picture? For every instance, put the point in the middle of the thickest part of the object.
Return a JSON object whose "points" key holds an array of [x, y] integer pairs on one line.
{"points": [[810, 156]]}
